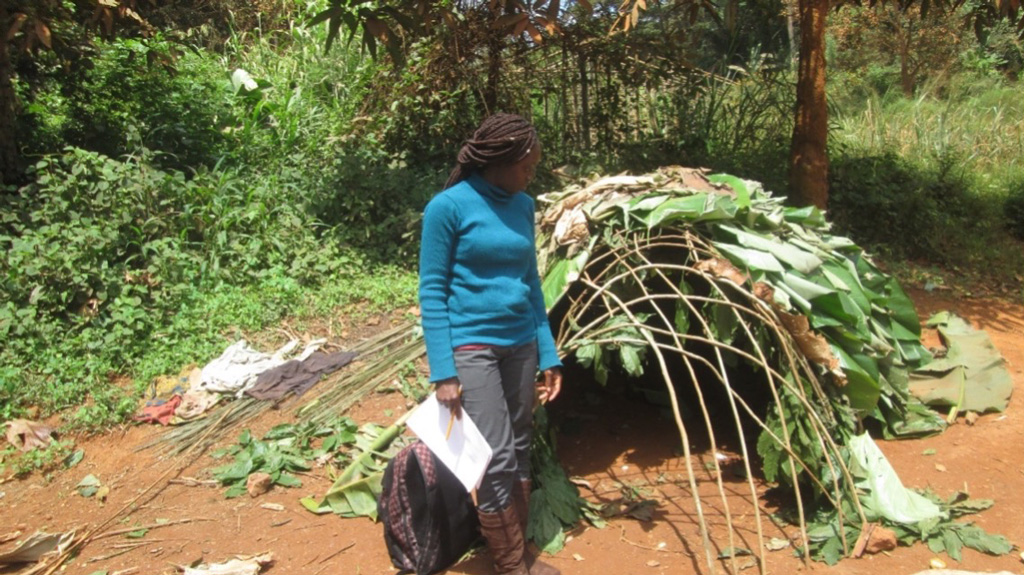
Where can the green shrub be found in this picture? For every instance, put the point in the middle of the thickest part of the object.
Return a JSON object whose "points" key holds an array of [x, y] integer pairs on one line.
{"points": [[1013, 210], [373, 200], [100, 256], [909, 210], [136, 93]]}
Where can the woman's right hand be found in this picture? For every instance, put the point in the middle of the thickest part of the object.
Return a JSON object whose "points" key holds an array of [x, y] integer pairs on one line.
{"points": [[449, 395]]}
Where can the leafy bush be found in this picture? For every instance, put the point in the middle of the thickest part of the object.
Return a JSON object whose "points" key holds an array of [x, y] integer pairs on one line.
{"points": [[104, 261], [373, 200], [136, 92], [908, 210], [1013, 209], [92, 234]]}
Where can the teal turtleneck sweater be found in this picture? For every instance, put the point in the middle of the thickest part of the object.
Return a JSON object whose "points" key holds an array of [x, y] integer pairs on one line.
{"points": [[478, 275]]}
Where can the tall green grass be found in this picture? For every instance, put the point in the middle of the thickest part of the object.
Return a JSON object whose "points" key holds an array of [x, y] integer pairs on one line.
{"points": [[983, 130], [932, 177]]}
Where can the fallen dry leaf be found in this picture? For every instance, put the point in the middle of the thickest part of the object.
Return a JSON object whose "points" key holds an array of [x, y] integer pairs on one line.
{"points": [[571, 227], [722, 268], [764, 292], [580, 482], [813, 345], [34, 547], [874, 539], [250, 566], [881, 539], [27, 435]]}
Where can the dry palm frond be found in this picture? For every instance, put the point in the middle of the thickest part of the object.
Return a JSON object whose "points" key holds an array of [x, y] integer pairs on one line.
{"points": [[383, 355]]}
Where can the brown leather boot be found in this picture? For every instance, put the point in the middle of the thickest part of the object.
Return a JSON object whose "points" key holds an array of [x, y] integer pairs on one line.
{"points": [[505, 539], [521, 501]]}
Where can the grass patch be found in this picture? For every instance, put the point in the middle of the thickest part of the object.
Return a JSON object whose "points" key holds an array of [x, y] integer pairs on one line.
{"points": [[40, 460], [933, 179], [68, 373], [983, 132]]}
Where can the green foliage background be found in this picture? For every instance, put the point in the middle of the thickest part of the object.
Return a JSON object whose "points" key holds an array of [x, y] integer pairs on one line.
{"points": [[167, 209]]}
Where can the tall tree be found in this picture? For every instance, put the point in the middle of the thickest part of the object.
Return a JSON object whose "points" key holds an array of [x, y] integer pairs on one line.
{"points": [[808, 151], [916, 43], [396, 25]]}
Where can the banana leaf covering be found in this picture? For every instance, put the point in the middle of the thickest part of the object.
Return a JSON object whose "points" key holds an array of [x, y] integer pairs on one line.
{"points": [[713, 286]]}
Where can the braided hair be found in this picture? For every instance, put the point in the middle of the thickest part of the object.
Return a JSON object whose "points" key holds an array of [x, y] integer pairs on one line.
{"points": [[501, 139]]}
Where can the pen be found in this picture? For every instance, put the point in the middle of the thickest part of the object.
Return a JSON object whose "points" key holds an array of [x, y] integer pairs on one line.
{"points": [[451, 419]]}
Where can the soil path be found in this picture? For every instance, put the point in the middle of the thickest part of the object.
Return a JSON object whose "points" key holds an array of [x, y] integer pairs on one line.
{"points": [[617, 446]]}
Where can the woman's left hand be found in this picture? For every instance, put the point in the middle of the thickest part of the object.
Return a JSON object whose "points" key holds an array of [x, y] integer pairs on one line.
{"points": [[551, 385]]}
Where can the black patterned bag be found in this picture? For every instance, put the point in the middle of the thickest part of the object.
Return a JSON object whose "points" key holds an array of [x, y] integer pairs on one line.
{"points": [[429, 519]]}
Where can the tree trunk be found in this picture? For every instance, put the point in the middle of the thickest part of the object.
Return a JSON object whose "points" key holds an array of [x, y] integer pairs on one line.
{"points": [[907, 80], [808, 157], [908, 76], [564, 118], [9, 171], [584, 100]]}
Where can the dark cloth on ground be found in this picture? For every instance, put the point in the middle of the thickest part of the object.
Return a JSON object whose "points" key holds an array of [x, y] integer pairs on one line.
{"points": [[297, 377]]}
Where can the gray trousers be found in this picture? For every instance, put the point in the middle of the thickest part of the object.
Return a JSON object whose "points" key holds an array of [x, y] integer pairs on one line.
{"points": [[498, 387]]}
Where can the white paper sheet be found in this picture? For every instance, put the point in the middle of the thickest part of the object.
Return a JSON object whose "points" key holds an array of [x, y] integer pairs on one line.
{"points": [[465, 452]]}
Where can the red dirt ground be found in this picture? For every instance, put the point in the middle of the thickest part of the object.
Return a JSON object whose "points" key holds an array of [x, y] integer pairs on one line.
{"points": [[619, 444]]}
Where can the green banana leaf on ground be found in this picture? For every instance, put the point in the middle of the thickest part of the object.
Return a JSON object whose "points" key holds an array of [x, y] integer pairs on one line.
{"points": [[971, 377]]}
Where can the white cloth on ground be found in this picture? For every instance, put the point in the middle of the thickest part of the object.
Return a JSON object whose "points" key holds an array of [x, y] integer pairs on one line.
{"points": [[238, 367]]}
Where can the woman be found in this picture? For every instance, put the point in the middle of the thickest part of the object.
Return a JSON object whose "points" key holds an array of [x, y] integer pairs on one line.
{"points": [[484, 320]]}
